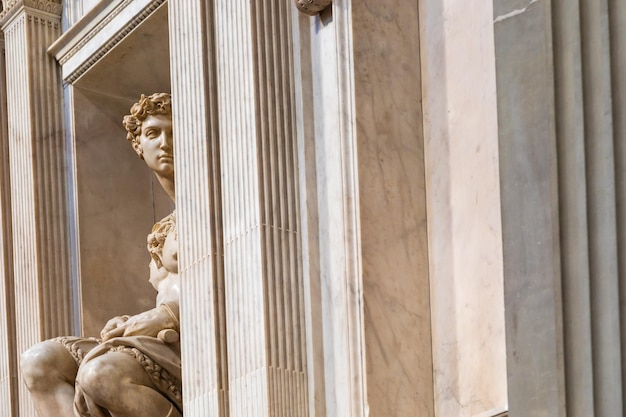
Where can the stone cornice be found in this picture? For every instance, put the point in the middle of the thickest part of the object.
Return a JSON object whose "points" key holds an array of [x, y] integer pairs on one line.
{"points": [[12, 7], [312, 7], [98, 32]]}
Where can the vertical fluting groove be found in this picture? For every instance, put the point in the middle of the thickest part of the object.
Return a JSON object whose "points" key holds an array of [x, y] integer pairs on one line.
{"points": [[198, 206], [600, 166], [275, 100], [570, 131], [242, 238], [217, 208], [617, 23]]}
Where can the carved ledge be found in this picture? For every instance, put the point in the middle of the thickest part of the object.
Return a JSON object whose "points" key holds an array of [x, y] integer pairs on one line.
{"points": [[11, 7], [92, 37], [312, 7]]}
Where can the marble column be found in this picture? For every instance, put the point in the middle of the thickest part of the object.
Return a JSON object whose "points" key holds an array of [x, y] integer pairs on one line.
{"points": [[263, 279], [41, 255], [238, 208], [561, 123], [198, 204], [588, 44], [8, 356]]}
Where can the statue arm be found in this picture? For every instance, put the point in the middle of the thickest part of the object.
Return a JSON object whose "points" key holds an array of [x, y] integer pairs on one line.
{"points": [[149, 323]]}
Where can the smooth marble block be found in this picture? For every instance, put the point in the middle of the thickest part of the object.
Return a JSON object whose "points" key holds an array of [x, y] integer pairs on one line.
{"points": [[465, 243], [530, 220]]}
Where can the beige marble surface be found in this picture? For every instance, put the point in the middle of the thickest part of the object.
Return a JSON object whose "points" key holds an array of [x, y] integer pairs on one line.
{"points": [[465, 244], [392, 207]]}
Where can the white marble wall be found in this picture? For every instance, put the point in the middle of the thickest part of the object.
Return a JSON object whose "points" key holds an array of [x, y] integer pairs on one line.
{"points": [[464, 225]]}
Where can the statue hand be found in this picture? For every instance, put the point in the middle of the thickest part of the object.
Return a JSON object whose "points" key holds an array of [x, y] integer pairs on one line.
{"points": [[114, 323], [148, 323]]}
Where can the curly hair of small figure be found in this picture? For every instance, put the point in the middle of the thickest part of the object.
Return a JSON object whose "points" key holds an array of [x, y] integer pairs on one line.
{"points": [[156, 239]]}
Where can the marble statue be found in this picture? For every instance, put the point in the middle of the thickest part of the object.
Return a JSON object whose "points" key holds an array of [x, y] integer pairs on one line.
{"points": [[133, 370]]}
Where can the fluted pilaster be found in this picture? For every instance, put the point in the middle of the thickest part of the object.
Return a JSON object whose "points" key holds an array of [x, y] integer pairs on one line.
{"points": [[264, 299], [562, 134], [199, 208], [8, 363], [37, 169], [279, 209]]}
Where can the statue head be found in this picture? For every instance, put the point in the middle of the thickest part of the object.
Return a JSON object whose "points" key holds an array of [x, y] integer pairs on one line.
{"points": [[163, 248], [149, 128]]}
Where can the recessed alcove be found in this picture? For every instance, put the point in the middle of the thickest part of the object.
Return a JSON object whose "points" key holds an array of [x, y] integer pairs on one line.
{"points": [[118, 199]]}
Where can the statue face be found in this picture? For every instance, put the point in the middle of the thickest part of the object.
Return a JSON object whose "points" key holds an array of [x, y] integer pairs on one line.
{"points": [[157, 144]]}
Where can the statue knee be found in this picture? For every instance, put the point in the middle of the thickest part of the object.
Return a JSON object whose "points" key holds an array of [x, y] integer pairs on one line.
{"points": [[45, 365], [101, 379]]}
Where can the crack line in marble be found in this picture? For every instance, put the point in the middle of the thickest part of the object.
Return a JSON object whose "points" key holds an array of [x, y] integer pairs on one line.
{"points": [[514, 12]]}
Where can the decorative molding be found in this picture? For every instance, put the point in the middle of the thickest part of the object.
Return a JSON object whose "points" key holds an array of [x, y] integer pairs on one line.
{"points": [[109, 17], [312, 7], [11, 8], [113, 41], [98, 21]]}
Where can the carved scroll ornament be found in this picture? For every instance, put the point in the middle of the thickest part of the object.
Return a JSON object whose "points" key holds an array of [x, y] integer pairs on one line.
{"points": [[312, 7]]}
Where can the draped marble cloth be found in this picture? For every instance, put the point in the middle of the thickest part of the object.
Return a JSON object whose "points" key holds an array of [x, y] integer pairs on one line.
{"points": [[160, 360]]}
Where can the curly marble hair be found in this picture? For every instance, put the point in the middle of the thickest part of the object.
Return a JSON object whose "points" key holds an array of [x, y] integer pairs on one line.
{"points": [[156, 104], [156, 239]]}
